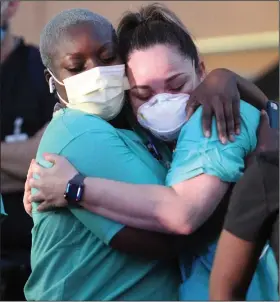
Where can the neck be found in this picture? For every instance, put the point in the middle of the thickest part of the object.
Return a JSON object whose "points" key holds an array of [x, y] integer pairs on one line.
{"points": [[7, 46]]}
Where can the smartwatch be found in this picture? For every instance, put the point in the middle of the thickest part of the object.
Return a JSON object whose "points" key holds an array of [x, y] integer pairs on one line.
{"points": [[272, 110], [75, 189]]}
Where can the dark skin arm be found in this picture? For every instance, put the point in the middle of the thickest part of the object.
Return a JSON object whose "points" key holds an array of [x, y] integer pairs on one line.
{"points": [[220, 95], [147, 244], [235, 263]]}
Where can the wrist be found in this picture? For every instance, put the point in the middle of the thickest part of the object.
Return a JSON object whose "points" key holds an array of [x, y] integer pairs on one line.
{"points": [[250, 93], [218, 74], [74, 189], [92, 193]]}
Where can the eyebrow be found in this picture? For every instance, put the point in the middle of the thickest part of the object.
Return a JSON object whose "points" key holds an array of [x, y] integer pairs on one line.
{"points": [[175, 76], [148, 87]]}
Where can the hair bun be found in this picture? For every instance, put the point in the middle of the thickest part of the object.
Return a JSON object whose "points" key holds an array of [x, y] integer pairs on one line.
{"points": [[154, 24], [159, 12]]}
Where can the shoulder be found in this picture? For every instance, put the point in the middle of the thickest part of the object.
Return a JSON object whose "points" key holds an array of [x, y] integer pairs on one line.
{"points": [[250, 117], [69, 126], [78, 122]]}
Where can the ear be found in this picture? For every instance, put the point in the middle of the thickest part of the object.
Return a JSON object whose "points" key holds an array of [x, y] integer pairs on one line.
{"points": [[50, 81], [11, 9], [201, 70], [47, 75]]}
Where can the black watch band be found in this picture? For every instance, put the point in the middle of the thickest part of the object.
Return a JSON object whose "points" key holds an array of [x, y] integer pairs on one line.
{"points": [[272, 109], [75, 189]]}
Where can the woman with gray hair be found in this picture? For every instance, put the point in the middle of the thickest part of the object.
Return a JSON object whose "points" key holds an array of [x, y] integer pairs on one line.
{"points": [[85, 70]]}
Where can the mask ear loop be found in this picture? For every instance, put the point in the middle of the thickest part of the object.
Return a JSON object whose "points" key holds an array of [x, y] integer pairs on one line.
{"points": [[51, 85], [55, 78]]}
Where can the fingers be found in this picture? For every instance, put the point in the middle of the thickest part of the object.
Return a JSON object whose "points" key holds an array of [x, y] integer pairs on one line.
{"points": [[45, 206], [264, 117], [35, 183], [51, 157], [191, 107], [27, 204], [229, 121], [236, 116], [37, 169], [207, 115], [264, 124], [221, 122], [28, 209], [37, 197]]}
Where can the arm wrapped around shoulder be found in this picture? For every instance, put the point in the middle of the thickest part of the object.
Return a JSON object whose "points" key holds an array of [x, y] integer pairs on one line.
{"points": [[196, 154]]}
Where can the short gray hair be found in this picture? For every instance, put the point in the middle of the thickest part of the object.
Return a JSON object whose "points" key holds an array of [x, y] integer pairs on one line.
{"points": [[58, 26]]}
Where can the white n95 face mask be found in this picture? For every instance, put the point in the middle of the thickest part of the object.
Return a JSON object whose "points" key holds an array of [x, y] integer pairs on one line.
{"points": [[99, 91], [164, 115]]}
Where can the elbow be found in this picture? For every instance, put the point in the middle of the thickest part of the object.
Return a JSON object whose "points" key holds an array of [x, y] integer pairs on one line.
{"points": [[174, 222]]}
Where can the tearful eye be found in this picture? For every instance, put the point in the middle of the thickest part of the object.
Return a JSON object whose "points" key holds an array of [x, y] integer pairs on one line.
{"points": [[143, 97], [177, 88], [109, 59], [76, 69]]}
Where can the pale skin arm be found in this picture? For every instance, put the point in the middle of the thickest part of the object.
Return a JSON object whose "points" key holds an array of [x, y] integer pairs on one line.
{"points": [[180, 209]]}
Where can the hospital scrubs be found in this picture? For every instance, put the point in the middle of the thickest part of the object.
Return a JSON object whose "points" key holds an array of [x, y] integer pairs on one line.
{"points": [[195, 155], [71, 258], [3, 214]]}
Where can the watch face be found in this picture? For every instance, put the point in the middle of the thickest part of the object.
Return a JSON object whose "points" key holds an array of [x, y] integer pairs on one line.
{"points": [[73, 192]]}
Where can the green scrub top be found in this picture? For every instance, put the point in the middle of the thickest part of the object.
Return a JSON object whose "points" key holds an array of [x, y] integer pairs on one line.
{"points": [[71, 258], [195, 154]]}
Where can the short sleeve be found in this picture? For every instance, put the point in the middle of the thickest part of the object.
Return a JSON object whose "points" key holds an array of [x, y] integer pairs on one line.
{"points": [[248, 209], [101, 153], [195, 154]]}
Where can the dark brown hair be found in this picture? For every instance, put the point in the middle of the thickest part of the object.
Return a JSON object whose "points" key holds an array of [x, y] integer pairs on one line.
{"points": [[154, 24]]}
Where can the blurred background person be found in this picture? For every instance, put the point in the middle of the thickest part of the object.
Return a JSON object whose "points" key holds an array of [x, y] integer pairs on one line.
{"points": [[26, 107], [252, 221]]}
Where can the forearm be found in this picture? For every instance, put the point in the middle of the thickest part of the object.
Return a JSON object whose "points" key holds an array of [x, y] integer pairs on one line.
{"points": [[139, 206], [250, 93], [16, 157], [151, 245], [154, 207], [234, 265]]}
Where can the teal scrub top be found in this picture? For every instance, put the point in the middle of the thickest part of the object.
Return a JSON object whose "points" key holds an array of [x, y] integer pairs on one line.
{"points": [[3, 214], [195, 155], [71, 258]]}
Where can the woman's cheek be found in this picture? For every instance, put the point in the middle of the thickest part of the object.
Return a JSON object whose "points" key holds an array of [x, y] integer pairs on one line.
{"points": [[135, 103]]}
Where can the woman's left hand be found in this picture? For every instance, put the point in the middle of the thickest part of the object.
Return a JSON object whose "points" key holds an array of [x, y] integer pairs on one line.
{"points": [[52, 182], [219, 96]]}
